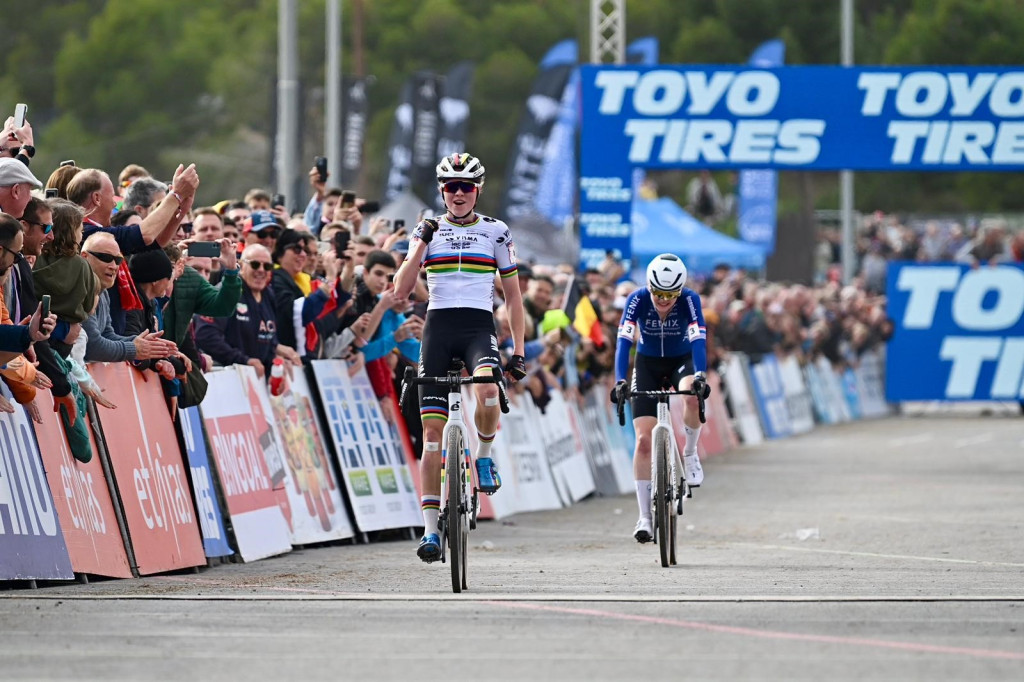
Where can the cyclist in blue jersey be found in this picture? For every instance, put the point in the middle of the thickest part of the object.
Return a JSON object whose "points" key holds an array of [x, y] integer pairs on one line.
{"points": [[462, 251], [666, 318]]}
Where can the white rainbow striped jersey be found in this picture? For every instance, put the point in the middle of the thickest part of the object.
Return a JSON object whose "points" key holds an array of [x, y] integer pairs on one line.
{"points": [[461, 261]]}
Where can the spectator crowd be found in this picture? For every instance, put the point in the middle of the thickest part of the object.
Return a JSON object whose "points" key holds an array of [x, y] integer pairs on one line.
{"points": [[137, 269], [881, 238]]}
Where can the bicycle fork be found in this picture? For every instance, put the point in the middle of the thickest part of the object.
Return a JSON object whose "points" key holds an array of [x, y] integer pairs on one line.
{"points": [[467, 464]]}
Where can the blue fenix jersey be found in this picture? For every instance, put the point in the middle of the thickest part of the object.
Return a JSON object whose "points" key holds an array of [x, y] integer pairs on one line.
{"points": [[681, 333]]}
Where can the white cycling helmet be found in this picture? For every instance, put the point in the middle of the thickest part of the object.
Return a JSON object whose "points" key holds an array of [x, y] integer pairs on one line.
{"points": [[460, 167], [666, 275]]}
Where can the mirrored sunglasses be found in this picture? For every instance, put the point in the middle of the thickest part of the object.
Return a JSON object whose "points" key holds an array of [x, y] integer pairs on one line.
{"points": [[665, 295], [47, 227], [456, 185]]}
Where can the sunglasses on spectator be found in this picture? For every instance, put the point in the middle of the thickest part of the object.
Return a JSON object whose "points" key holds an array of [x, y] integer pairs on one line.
{"points": [[296, 248], [17, 256], [456, 185], [256, 265], [106, 257], [47, 227]]}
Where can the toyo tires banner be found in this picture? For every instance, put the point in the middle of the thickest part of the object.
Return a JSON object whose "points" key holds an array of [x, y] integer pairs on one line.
{"points": [[959, 332], [952, 118]]}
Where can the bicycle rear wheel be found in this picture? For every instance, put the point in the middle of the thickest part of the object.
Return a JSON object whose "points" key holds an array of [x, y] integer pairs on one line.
{"points": [[662, 495], [673, 523], [455, 532]]}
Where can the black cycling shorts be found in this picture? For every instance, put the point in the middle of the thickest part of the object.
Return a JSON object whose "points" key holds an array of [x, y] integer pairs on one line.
{"points": [[652, 373], [466, 334]]}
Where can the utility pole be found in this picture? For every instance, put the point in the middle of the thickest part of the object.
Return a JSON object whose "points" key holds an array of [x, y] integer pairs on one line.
{"points": [[846, 177], [332, 133], [288, 145]]}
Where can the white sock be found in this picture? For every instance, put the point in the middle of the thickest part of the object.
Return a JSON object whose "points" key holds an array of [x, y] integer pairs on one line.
{"points": [[643, 498], [486, 441], [430, 505], [692, 435]]}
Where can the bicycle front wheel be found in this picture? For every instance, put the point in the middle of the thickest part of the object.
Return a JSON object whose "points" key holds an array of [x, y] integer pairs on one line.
{"points": [[454, 478], [662, 495]]}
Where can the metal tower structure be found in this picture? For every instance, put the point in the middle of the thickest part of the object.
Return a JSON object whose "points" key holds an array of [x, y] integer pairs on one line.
{"points": [[607, 31]]}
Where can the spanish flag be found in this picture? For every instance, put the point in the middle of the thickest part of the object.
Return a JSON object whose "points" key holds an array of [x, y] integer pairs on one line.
{"points": [[581, 311]]}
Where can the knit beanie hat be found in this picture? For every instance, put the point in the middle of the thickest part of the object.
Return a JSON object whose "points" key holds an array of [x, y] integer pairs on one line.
{"points": [[150, 266]]}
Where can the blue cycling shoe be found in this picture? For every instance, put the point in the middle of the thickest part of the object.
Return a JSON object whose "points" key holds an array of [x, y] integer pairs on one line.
{"points": [[429, 550], [487, 474]]}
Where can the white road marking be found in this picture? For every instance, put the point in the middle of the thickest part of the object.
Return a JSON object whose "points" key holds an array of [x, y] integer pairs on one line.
{"points": [[877, 555], [972, 440], [910, 440], [504, 597]]}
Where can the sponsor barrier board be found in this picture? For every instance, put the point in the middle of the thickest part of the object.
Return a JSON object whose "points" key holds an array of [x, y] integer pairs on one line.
{"points": [[771, 398], [31, 543], [82, 498], [739, 396], [372, 459], [211, 518], [798, 400], [259, 526], [148, 471], [316, 512], [563, 446]]}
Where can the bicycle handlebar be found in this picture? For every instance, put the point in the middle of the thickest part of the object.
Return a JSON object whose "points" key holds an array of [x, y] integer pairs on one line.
{"points": [[627, 393], [410, 379]]}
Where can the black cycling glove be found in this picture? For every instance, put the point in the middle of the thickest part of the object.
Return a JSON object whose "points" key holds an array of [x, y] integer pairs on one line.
{"points": [[427, 229], [516, 367], [700, 387], [617, 391]]}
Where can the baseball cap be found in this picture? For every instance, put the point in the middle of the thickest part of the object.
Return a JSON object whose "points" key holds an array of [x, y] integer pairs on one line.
{"points": [[401, 246], [14, 172], [260, 220]]}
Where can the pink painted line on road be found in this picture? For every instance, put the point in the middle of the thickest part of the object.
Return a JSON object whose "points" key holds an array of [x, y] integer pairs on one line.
{"points": [[770, 634]]}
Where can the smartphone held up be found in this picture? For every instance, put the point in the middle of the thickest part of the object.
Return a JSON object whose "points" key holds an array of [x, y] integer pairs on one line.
{"points": [[204, 249], [20, 112], [340, 241]]}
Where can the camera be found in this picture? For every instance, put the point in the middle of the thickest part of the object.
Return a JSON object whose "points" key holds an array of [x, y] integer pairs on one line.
{"points": [[348, 199]]}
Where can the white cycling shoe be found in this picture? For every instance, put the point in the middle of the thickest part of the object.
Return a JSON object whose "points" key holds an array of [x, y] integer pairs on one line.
{"points": [[644, 531], [693, 471]]}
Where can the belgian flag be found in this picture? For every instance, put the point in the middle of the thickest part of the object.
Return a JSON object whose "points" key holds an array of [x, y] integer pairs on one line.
{"points": [[580, 310]]}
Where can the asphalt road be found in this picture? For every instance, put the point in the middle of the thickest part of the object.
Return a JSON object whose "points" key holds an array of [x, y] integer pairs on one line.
{"points": [[889, 550]]}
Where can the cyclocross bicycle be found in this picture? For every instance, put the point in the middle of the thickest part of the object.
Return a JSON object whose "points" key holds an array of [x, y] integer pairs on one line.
{"points": [[458, 475], [669, 487]]}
